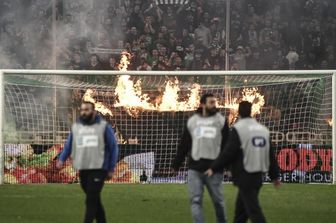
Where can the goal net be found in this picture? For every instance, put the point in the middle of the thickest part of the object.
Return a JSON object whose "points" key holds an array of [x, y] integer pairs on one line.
{"points": [[149, 112]]}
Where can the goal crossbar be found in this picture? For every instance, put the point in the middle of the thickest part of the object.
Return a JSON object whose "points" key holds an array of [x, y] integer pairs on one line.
{"points": [[169, 73]]}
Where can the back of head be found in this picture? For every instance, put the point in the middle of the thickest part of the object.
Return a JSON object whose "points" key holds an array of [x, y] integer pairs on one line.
{"points": [[245, 109]]}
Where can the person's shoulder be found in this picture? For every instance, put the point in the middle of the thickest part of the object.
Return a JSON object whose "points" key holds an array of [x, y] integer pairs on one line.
{"points": [[239, 123], [259, 125], [78, 121], [263, 127], [193, 117], [221, 117], [101, 120]]}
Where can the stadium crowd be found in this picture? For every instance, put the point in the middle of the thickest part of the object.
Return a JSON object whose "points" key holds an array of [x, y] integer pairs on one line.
{"points": [[169, 35]]}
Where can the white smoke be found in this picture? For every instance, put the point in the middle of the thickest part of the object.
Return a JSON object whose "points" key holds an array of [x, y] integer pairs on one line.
{"points": [[26, 37]]}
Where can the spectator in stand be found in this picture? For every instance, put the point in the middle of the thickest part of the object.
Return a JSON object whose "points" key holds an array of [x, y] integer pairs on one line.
{"points": [[160, 40], [149, 28], [77, 62], [235, 66], [216, 28], [236, 33], [292, 58], [251, 36], [206, 19], [240, 56], [154, 56], [197, 63], [112, 64], [189, 57], [169, 19], [94, 63], [213, 57], [161, 66], [103, 41], [252, 18], [202, 36], [163, 52], [144, 65], [254, 62], [153, 10], [136, 18], [132, 35], [331, 61], [178, 64], [324, 65], [186, 38], [282, 61], [221, 58]]}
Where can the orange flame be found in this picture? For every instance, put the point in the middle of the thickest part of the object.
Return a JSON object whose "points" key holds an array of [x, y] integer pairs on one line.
{"points": [[130, 96], [330, 122], [248, 94], [252, 95], [124, 61], [170, 98]]}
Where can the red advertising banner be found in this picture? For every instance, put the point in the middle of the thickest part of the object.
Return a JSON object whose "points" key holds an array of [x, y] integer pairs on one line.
{"points": [[305, 163]]}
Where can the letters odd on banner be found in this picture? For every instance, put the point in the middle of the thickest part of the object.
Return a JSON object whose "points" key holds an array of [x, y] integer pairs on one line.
{"points": [[305, 163]]}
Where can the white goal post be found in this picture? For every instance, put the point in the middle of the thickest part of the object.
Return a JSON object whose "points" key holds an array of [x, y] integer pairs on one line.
{"points": [[7, 72]]}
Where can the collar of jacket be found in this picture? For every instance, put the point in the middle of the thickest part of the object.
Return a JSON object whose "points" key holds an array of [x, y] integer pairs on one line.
{"points": [[96, 120], [199, 111]]}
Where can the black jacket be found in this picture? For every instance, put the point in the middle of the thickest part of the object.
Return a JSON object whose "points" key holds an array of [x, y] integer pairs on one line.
{"points": [[232, 157], [184, 149]]}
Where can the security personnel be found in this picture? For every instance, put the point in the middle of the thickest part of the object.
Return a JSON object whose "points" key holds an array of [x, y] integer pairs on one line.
{"points": [[248, 151], [94, 151], [203, 139]]}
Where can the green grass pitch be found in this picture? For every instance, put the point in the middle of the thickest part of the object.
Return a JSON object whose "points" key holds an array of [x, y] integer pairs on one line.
{"points": [[160, 203]]}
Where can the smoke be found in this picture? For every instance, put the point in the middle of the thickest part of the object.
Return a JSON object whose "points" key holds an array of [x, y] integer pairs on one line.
{"points": [[23, 29], [26, 35]]}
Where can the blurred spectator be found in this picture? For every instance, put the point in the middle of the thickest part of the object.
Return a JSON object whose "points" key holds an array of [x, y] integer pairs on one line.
{"points": [[112, 64], [254, 62], [202, 36], [144, 65], [169, 19], [94, 63], [251, 36], [136, 18], [77, 62], [198, 62], [177, 64], [240, 57], [292, 58], [133, 35], [189, 57]]}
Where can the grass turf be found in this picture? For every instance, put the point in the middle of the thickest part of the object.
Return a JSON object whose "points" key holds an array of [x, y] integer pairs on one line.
{"points": [[159, 203]]}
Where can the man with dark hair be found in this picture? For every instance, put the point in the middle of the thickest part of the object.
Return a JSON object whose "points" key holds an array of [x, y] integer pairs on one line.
{"points": [[249, 153], [93, 148], [94, 63], [203, 139]]}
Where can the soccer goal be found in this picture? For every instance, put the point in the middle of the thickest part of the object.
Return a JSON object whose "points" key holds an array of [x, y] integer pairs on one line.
{"points": [[148, 111]]}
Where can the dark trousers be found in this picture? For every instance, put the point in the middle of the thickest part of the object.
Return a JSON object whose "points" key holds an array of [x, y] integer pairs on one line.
{"points": [[92, 182], [247, 203]]}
